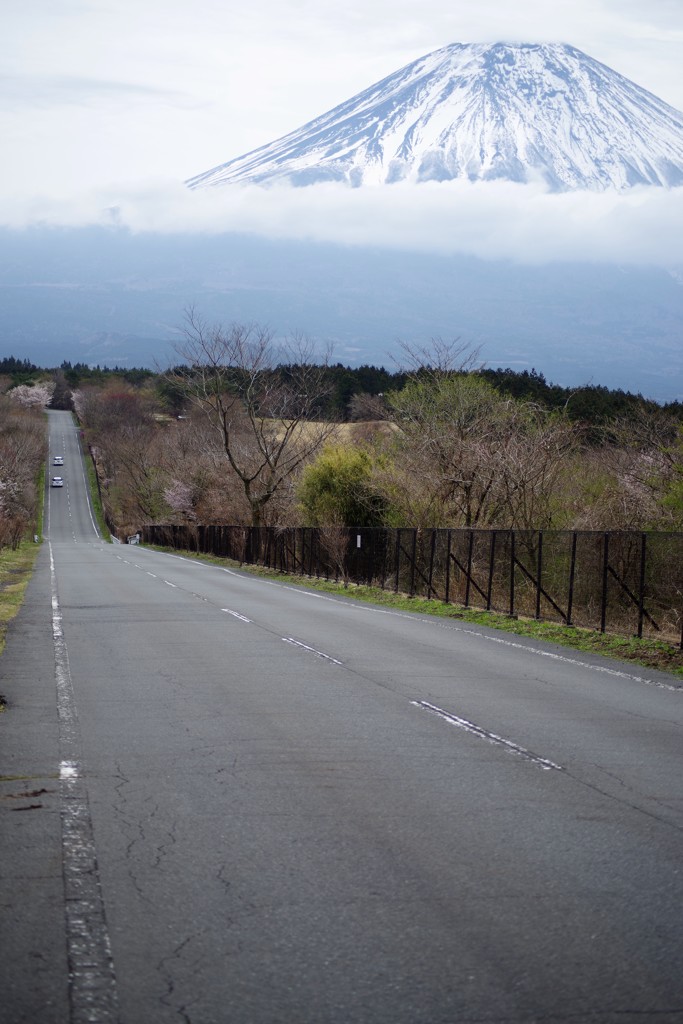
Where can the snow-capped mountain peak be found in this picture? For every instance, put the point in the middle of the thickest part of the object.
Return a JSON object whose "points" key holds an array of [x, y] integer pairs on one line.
{"points": [[480, 112]]}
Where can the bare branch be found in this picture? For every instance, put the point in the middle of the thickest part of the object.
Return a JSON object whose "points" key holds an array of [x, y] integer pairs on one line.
{"points": [[439, 357], [260, 397]]}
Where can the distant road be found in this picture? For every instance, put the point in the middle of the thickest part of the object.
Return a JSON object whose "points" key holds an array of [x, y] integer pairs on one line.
{"points": [[263, 804]]}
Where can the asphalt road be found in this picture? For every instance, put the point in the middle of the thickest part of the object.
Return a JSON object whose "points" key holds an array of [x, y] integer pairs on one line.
{"points": [[232, 801]]}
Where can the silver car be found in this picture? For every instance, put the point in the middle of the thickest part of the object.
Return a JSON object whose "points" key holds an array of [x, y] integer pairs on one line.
{"points": [[57, 481]]}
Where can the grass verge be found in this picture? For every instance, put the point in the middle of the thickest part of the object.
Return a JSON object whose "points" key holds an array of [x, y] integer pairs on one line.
{"points": [[16, 568], [654, 654]]}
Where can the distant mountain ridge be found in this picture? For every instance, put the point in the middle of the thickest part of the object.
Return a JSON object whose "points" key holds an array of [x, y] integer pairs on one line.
{"points": [[108, 296], [481, 112]]}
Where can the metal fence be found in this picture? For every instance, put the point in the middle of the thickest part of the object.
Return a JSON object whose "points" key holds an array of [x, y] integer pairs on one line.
{"points": [[618, 582]]}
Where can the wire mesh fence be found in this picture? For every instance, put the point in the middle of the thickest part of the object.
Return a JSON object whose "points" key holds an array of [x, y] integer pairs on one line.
{"points": [[618, 582]]}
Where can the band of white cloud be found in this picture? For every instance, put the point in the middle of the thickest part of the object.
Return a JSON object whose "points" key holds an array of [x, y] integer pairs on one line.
{"points": [[491, 220]]}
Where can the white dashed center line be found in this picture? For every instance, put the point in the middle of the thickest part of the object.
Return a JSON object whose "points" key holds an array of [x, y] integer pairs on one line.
{"points": [[319, 654], [236, 615], [484, 734]]}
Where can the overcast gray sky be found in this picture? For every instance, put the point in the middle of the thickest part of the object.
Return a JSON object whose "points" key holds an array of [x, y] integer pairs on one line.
{"points": [[113, 103]]}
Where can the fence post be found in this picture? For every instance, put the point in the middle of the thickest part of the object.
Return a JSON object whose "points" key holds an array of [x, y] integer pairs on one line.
{"points": [[448, 567], [605, 568], [469, 569], [572, 571], [414, 559], [373, 551], [539, 570], [492, 556], [512, 572], [431, 564], [641, 592], [398, 557]]}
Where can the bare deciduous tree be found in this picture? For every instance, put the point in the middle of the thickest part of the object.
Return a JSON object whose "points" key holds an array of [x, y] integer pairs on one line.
{"points": [[363, 407], [532, 456], [625, 482], [441, 357], [23, 446], [450, 433], [260, 398], [481, 459], [335, 541]]}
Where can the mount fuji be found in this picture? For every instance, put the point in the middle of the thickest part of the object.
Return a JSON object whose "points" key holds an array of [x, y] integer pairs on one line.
{"points": [[516, 112]]}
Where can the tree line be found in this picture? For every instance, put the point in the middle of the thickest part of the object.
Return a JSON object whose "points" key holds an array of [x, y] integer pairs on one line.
{"points": [[246, 428], [347, 388]]}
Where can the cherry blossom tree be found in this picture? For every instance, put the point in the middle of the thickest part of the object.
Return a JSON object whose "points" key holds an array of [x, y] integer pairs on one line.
{"points": [[23, 447], [33, 396]]}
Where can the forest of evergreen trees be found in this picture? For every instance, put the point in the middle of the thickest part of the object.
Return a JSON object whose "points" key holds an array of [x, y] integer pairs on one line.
{"points": [[591, 404]]}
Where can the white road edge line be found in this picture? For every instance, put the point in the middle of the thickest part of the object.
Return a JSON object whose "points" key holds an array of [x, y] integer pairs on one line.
{"points": [[319, 654], [485, 734], [92, 981], [87, 492]]}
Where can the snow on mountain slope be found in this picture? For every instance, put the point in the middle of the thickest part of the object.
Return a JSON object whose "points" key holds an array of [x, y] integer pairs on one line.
{"points": [[517, 112]]}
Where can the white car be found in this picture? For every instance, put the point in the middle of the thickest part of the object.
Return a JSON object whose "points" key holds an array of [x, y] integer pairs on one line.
{"points": [[58, 460], [57, 481]]}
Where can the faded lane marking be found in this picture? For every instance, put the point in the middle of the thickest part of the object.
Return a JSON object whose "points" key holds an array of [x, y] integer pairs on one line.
{"points": [[485, 734], [236, 615], [92, 982]]}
